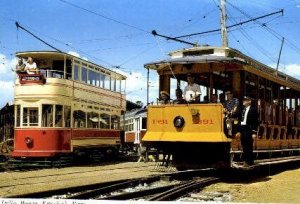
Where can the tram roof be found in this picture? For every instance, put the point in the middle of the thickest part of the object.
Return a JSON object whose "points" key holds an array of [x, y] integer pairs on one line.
{"points": [[210, 54], [61, 56]]}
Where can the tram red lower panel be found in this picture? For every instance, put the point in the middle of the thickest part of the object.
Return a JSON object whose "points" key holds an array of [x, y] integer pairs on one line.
{"points": [[50, 142], [41, 142]]}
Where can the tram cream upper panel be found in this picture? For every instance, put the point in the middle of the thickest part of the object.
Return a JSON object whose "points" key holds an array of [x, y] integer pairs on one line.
{"points": [[64, 90]]}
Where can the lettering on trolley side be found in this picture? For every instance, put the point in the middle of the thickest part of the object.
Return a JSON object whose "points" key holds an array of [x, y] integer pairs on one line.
{"points": [[160, 121], [206, 122]]}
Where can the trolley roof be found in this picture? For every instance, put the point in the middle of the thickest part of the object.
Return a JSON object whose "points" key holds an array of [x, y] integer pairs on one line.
{"points": [[61, 56], [210, 54]]}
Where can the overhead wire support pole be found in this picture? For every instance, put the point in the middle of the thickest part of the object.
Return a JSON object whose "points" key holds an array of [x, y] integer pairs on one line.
{"points": [[223, 24], [171, 38], [234, 25], [19, 26]]}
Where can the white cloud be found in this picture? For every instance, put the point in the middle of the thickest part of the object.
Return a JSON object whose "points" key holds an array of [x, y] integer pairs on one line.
{"points": [[136, 86], [292, 70], [6, 87], [74, 53]]}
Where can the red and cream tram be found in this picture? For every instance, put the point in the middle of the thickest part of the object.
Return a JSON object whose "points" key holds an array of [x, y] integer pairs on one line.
{"points": [[134, 123], [69, 106]]}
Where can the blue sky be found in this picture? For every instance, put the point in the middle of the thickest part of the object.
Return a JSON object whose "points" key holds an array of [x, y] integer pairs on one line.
{"points": [[118, 33]]}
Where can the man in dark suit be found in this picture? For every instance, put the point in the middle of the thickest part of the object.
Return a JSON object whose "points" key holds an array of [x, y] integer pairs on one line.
{"points": [[249, 124]]}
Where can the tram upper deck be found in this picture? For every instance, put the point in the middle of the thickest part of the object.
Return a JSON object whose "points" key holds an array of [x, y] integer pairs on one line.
{"points": [[65, 77]]}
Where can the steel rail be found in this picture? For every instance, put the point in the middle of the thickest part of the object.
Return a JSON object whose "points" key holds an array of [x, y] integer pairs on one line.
{"points": [[183, 189]]}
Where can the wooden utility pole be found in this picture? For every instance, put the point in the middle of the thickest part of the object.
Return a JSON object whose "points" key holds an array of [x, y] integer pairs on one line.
{"points": [[223, 24]]}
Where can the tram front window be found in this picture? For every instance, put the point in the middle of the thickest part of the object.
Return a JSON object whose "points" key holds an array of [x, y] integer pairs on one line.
{"points": [[30, 117]]}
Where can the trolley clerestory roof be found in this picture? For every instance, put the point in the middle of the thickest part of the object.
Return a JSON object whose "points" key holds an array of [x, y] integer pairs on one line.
{"points": [[224, 55]]}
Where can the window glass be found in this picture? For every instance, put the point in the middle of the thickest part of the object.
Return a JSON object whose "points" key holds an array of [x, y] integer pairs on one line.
{"points": [[113, 84], [102, 79], [118, 85], [144, 123], [107, 82], [76, 72], [93, 120], [104, 121], [92, 77], [47, 115], [30, 117], [58, 116], [115, 122], [67, 116], [79, 119], [83, 74]]}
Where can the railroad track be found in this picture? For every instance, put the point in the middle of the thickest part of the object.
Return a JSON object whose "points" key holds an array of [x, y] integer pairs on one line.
{"points": [[175, 184]]}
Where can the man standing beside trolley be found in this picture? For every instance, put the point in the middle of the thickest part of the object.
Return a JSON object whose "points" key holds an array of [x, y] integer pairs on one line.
{"points": [[249, 124]]}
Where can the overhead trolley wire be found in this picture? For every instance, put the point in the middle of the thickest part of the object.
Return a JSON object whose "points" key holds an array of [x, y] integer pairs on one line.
{"points": [[272, 31], [231, 26], [105, 17]]}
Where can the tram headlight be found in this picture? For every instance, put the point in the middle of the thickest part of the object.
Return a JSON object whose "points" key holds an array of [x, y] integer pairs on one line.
{"points": [[29, 141], [178, 122]]}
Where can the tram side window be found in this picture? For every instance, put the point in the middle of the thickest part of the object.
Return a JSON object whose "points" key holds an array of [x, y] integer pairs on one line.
{"points": [[83, 74], [47, 115], [92, 76], [101, 78], [79, 119], [30, 117], [118, 85], [67, 116], [144, 123], [113, 84], [115, 122], [58, 115], [92, 120], [107, 82], [104, 121], [76, 72], [18, 114]]}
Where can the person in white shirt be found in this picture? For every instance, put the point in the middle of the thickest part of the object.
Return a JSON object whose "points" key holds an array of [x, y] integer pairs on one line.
{"points": [[30, 66], [192, 91]]}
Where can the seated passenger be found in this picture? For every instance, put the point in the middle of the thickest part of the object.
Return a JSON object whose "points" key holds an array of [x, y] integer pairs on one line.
{"points": [[20, 67], [192, 91], [31, 67], [179, 99], [231, 105], [231, 109], [164, 98], [214, 98]]}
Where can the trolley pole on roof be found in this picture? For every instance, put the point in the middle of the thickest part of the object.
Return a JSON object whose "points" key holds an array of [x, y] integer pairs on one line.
{"points": [[279, 54], [147, 86], [223, 24]]}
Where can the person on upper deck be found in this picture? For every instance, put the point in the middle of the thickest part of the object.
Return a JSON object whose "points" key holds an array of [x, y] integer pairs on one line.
{"points": [[179, 99], [164, 98], [192, 91], [31, 67], [20, 67]]}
